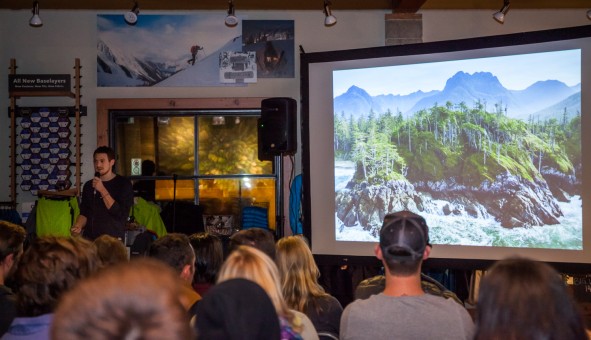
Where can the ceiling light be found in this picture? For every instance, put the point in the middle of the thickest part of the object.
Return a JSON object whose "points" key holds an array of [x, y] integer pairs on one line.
{"points": [[131, 16], [500, 15], [231, 20], [35, 19], [329, 19]]}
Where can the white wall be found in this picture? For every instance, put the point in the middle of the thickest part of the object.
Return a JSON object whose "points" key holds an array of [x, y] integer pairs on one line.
{"points": [[66, 35]]}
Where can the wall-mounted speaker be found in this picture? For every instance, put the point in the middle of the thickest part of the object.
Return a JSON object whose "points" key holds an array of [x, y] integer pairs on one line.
{"points": [[277, 130]]}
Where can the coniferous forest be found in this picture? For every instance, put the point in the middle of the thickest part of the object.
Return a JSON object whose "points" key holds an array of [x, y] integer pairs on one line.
{"points": [[459, 160]]}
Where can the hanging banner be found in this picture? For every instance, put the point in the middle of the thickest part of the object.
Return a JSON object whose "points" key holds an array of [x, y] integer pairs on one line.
{"points": [[39, 82]]}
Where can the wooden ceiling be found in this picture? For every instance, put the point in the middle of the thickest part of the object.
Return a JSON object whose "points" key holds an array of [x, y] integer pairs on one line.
{"points": [[397, 6]]}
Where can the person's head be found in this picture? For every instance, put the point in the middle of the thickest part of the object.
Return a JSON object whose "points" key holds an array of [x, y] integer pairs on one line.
{"points": [[110, 250], [404, 243], [50, 267], [209, 256], [175, 250], [12, 237], [104, 160], [261, 239], [524, 299], [148, 167], [237, 309], [252, 264], [130, 300], [299, 272]]}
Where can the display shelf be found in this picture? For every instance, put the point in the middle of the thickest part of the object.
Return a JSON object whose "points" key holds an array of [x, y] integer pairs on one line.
{"points": [[14, 95], [20, 94], [57, 194]]}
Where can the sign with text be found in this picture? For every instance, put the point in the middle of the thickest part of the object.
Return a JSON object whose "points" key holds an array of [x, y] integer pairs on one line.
{"points": [[39, 82]]}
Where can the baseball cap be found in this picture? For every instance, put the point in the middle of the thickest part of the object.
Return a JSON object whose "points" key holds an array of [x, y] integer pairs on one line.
{"points": [[404, 236]]}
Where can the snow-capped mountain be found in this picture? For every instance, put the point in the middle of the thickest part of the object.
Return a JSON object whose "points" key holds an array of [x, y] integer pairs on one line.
{"points": [[118, 67], [465, 88]]}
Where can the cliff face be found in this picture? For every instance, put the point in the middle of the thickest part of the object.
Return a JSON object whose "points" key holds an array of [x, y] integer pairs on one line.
{"points": [[511, 200]]}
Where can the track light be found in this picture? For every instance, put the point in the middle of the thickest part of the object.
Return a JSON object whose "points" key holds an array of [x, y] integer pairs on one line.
{"points": [[589, 14], [500, 15], [231, 20], [131, 16], [35, 19], [329, 19]]}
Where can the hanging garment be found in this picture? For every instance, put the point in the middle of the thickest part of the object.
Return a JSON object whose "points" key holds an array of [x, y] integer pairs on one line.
{"points": [[54, 217], [147, 214]]}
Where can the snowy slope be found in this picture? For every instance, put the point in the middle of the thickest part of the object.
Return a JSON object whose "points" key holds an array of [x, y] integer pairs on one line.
{"points": [[205, 72]]}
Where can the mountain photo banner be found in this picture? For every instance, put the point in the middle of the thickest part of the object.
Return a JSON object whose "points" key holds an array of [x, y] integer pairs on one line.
{"points": [[164, 50]]}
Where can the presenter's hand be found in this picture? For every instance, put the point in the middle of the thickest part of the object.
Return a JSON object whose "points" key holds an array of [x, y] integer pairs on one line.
{"points": [[76, 230], [97, 184]]}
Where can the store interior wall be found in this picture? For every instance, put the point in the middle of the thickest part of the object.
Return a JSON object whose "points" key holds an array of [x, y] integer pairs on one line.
{"points": [[66, 35]]}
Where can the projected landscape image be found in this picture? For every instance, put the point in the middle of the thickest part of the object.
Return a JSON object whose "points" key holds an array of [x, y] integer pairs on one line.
{"points": [[488, 150]]}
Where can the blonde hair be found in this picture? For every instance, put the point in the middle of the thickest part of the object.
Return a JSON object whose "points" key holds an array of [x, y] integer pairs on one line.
{"points": [[299, 273], [252, 264]]}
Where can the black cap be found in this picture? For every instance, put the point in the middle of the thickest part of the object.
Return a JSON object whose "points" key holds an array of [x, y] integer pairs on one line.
{"points": [[404, 236]]}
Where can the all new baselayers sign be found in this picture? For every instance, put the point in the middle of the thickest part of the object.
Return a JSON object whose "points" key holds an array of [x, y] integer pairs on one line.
{"points": [[39, 82]]}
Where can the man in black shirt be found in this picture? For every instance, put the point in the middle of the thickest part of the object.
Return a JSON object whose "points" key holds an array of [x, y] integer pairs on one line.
{"points": [[106, 200]]}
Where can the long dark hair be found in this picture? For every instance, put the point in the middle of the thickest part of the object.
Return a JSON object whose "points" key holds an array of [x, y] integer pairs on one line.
{"points": [[523, 299], [209, 256]]}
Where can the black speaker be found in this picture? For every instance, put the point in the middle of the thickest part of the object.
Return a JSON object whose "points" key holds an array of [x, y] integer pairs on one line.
{"points": [[277, 130], [263, 154]]}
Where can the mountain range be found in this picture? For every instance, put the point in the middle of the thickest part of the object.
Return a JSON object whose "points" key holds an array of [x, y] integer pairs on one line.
{"points": [[540, 98]]}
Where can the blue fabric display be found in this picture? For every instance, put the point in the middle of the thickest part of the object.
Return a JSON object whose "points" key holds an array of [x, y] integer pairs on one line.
{"points": [[255, 217]]}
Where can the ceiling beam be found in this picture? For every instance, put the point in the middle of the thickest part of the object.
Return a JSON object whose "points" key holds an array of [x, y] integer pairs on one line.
{"points": [[395, 5]]}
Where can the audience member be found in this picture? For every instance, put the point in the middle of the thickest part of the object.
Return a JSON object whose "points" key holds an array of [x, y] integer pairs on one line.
{"points": [[209, 256], [12, 237], [50, 267], [130, 300], [146, 188], [176, 251], [523, 299], [376, 284], [301, 290], [237, 309], [403, 310], [252, 264], [110, 250], [262, 239]]}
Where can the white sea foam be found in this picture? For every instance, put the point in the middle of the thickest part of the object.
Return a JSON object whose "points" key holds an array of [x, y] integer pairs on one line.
{"points": [[463, 230]]}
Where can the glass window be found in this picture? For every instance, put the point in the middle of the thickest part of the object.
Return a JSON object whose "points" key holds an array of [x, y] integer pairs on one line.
{"points": [[218, 167]]}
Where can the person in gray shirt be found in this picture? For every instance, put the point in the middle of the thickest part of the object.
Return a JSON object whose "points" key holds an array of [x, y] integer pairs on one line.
{"points": [[403, 310]]}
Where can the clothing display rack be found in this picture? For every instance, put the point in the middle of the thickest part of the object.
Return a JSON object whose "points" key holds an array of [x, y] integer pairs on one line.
{"points": [[14, 112]]}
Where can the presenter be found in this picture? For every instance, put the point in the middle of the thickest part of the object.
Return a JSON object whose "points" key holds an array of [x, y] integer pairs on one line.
{"points": [[106, 200]]}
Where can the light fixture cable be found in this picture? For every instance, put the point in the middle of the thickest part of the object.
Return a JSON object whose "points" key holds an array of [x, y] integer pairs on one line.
{"points": [[231, 19], [329, 19], [35, 19], [500, 15], [132, 16]]}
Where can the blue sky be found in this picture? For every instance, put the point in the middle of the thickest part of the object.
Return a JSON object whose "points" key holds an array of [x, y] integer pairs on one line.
{"points": [[166, 37], [514, 72]]}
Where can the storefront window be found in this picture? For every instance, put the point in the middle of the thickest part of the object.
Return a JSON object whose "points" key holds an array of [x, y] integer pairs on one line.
{"points": [[217, 167]]}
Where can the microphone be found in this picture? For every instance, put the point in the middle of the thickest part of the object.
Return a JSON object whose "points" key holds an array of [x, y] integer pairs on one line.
{"points": [[97, 174]]}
